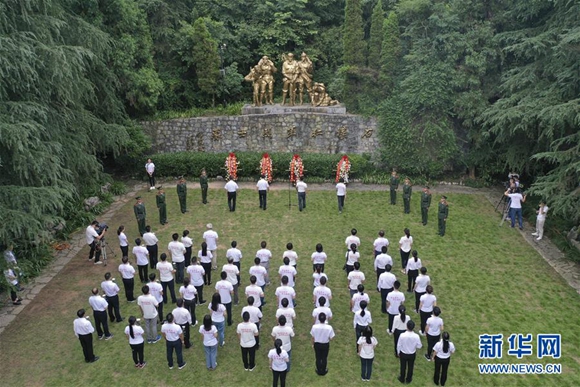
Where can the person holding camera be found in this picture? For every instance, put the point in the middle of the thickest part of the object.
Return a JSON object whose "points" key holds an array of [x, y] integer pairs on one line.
{"points": [[515, 211], [93, 237]]}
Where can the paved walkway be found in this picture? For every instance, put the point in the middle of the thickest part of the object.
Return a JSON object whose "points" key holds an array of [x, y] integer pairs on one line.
{"points": [[570, 271]]}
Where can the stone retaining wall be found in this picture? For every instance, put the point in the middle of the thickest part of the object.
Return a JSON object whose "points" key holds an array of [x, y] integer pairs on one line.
{"points": [[286, 132]]}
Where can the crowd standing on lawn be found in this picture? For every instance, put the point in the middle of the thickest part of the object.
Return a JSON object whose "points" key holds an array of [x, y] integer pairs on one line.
{"points": [[194, 272]]}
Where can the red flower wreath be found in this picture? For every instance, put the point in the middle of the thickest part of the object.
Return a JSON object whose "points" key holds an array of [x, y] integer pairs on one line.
{"points": [[231, 166], [296, 168], [266, 167], [343, 169]]}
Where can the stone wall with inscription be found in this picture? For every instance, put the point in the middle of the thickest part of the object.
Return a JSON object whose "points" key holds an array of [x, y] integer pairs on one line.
{"points": [[289, 132]]}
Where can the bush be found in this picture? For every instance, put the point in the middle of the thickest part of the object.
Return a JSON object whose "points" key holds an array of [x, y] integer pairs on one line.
{"points": [[316, 165]]}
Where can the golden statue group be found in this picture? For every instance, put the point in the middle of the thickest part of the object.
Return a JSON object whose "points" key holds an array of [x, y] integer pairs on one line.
{"points": [[297, 76]]}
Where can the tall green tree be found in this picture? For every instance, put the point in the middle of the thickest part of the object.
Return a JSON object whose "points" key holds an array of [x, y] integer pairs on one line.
{"points": [[390, 51], [353, 35], [376, 36], [58, 110]]}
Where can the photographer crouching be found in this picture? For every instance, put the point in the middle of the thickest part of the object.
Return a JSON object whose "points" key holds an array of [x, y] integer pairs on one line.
{"points": [[94, 233], [516, 199]]}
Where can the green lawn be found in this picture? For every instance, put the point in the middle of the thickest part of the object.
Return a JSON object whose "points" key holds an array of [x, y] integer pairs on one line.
{"points": [[487, 280]]}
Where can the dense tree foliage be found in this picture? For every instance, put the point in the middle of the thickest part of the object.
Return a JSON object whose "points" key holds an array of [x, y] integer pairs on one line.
{"points": [[58, 109]]}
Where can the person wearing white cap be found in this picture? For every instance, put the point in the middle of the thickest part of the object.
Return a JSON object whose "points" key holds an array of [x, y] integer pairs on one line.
{"points": [[211, 237]]}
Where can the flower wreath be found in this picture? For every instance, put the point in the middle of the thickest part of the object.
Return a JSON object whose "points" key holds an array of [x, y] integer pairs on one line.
{"points": [[343, 169], [266, 167], [296, 168], [231, 166]]}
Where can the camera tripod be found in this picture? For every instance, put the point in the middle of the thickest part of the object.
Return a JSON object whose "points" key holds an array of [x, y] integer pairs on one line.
{"points": [[104, 245], [506, 208]]}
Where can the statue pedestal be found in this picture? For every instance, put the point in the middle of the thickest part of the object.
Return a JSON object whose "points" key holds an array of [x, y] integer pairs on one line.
{"points": [[287, 109]]}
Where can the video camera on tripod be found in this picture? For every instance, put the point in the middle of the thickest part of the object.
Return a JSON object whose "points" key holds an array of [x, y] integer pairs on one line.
{"points": [[102, 227]]}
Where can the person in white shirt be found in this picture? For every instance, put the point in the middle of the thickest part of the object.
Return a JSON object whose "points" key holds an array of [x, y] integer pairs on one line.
{"points": [[385, 285], [173, 341], [289, 271], [211, 238], [301, 189], [394, 299], [285, 292], [84, 331], [9, 255], [433, 329], [196, 274], [322, 309], [321, 334], [177, 251], [400, 325], [260, 273], [379, 243], [218, 317], [100, 305], [255, 316], [442, 355], [352, 256], [247, 333], [290, 254], [166, 276], [188, 243], [358, 297], [231, 187], [111, 290], [148, 305], [265, 255], [316, 277], [135, 335], [141, 257], [381, 261], [278, 359], [352, 238], [123, 241], [151, 243], [232, 275], [427, 302], [128, 273], [150, 169], [515, 211], [409, 343], [182, 317], [236, 255], [362, 319], [355, 278], [412, 270], [285, 334], [366, 350], [540, 220], [340, 194], [318, 258], [156, 290], [205, 257], [93, 238], [11, 275], [255, 291], [322, 291], [262, 188], [405, 245], [210, 343], [421, 286], [189, 293], [225, 290]]}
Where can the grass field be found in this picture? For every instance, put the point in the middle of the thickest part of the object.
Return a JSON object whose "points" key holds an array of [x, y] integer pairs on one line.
{"points": [[486, 279]]}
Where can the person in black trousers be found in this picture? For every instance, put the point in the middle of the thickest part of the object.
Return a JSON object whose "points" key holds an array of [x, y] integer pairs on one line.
{"points": [[84, 331], [407, 347], [99, 305], [442, 356], [321, 334]]}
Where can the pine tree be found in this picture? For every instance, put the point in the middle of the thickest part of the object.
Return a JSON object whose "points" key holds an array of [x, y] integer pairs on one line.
{"points": [[353, 34], [390, 51], [206, 59], [376, 36]]}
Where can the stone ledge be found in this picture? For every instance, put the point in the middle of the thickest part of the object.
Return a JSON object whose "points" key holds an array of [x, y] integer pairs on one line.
{"points": [[286, 109]]}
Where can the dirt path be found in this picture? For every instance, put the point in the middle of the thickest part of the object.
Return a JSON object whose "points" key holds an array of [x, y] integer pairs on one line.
{"points": [[570, 271]]}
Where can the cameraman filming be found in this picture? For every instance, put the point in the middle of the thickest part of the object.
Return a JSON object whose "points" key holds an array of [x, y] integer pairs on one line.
{"points": [[93, 237], [516, 199]]}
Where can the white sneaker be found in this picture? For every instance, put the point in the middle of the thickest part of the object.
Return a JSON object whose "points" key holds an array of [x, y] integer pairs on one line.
{"points": [[535, 234], [539, 238], [99, 263]]}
